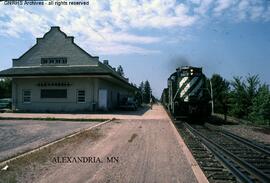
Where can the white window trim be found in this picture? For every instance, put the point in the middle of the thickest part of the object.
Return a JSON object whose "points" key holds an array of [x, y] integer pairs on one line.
{"points": [[26, 102], [77, 96]]}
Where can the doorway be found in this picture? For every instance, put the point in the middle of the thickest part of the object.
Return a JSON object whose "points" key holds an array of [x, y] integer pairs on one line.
{"points": [[102, 99]]}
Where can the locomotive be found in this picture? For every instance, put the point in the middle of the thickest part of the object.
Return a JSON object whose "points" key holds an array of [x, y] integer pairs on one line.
{"points": [[188, 94]]}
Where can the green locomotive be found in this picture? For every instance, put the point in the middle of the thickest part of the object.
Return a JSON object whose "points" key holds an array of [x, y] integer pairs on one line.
{"points": [[188, 93]]}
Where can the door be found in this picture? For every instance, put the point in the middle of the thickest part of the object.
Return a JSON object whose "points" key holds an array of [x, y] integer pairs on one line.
{"points": [[102, 99]]}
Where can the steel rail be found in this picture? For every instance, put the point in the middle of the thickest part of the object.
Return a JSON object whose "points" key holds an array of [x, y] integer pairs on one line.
{"points": [[238, 174], [217, 149]]}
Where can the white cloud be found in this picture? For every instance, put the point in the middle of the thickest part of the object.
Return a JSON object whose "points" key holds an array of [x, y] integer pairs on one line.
{"points": [[104, 22], [256, 12], [114, 24], [203, 7], [20, 21], [243, 7], [222, 5], [154, 14]]}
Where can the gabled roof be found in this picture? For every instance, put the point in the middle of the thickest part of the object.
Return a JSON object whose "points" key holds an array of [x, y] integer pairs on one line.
{"points": [[67, 37]]}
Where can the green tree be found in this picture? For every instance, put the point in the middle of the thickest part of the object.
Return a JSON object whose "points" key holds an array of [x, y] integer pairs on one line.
{"points": [[242, 95], [141, 87], [238, 97], [260, 109], [141, 92], [120, 70], [251, 90], [220, 93], [5, 88], [146, 92]]}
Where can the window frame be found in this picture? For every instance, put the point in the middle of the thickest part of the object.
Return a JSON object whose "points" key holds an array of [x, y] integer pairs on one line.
{"points": [[24, 96], [77, 96]]}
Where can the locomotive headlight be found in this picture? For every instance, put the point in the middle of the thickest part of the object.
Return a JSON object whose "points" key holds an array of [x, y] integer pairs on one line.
{"points": [[191, 72]]}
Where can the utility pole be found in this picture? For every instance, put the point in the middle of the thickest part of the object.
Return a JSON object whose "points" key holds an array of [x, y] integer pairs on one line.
{"points": [[150, 93], [212, 97], [151, 100]]}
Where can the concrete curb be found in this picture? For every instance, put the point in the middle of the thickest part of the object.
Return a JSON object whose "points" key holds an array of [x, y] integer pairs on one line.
{"points": [[200, 176], [2, 164]]}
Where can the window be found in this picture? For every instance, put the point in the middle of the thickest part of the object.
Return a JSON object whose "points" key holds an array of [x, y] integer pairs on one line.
{"points": [[26, 96], [64, 61], [80, 96], [53, 61], [44, 61], [45, 84], [53, 93], [58, 61]]}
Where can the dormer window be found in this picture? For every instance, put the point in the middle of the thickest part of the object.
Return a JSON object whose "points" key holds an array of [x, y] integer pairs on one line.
{"points": [[53, 61]]}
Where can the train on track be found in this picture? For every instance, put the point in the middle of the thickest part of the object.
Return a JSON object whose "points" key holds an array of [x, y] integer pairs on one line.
{"points": [[188, 94]]}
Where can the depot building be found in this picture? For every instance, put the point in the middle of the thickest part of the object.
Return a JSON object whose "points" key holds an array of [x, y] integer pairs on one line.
{"points": [[56, 75]]}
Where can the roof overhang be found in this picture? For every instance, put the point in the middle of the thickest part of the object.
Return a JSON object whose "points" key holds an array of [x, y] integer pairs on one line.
{"points": [[106, 76]]}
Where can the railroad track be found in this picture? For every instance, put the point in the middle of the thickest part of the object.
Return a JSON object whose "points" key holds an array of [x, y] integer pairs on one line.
{"points": [[214, 170], [245, 160]]}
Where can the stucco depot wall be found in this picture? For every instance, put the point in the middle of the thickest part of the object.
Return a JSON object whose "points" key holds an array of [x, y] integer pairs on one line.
{"points": [[68, 104], [113, 90]]}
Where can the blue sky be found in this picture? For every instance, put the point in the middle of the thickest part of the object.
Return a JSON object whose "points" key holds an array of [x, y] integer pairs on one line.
{"points": [[151, 38]]}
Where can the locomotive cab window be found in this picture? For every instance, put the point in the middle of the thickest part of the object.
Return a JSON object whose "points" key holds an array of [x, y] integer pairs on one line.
{"points": [[184, 73]]}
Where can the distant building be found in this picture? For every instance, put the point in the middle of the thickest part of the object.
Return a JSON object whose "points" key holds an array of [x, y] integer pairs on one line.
{"points": [[56, 75]]}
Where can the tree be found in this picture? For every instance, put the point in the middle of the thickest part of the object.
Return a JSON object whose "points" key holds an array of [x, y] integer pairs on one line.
{"points": [[147, 92], [260, 109], [141, 92], [220, 93], [242, 95], [5, 88], [141, 87], [120, 70], [251, 90], [238, 97]]}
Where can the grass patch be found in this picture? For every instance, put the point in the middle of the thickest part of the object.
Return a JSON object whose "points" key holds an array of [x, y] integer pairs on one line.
{"points": [[55, 119]]}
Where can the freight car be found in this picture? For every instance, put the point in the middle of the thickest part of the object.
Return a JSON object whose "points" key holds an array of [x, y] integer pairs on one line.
{"points": [[188, 94]]}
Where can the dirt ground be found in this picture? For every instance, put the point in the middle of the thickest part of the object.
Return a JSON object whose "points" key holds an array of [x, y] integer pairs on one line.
{"points": [[251, 132], [143, 150]]}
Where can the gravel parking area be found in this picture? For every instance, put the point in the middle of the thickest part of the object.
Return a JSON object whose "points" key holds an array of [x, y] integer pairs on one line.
{"points": [[17, 136], [250, 132]]}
